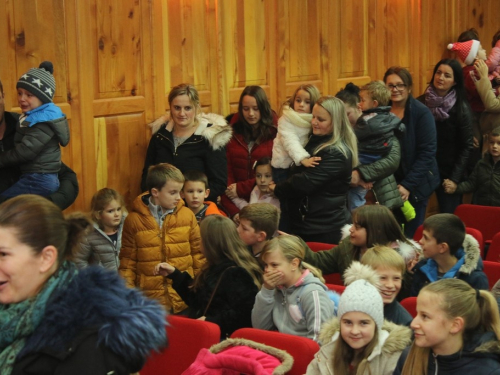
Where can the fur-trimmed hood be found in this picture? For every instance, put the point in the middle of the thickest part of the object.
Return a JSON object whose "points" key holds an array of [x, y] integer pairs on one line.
{"points": [[128, 323], [212, 127], [395, 338]]}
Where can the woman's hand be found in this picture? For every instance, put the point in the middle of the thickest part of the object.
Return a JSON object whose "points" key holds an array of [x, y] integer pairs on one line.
{"points": [[449, 186], [164, 269], [405, 194], [481, 68], [231, 191], [310, 162], [272, 279], [355, 178]]}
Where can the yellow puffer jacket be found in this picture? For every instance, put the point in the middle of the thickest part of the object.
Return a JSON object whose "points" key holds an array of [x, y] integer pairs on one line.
{"points": [[144, 245]]}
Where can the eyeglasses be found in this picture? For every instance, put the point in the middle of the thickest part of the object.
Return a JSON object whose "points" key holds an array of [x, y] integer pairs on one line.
{"points": [[399, 87]]}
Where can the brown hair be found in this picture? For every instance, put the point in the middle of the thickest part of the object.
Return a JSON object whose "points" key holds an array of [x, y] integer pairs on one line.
{"points": [[446, 228], [221, 241], [495, 132], [403, 73], [196, 176], [160, 174], [262, 217], [469, 34], [349, 95], [100, 200], [478, 308], [39, 223]]}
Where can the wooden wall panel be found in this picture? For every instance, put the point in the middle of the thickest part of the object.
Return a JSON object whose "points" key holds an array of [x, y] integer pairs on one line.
{"points": [[116, 60]]}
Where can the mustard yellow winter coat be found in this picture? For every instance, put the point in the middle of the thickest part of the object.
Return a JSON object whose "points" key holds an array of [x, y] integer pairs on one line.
{"points": [[144, 245]]}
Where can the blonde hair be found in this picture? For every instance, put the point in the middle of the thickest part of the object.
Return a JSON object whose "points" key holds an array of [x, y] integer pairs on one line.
{"points": [[384, 257], [220, 241], [292, 248], [378, 91], [160, 174], [344, 355], [478, 308], [343, 136], [100, 201], [312, 90]]}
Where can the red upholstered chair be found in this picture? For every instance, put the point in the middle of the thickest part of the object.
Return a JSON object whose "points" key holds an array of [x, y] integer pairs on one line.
{"points": [[484, 218], [494, 250], [336, 288], [410, 304], [333, 278], [185, 339], [300, 348], [476, 233], [492, 271]]}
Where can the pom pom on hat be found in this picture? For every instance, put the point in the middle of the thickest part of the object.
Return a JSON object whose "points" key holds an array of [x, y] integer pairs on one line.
{"points": [[467, 51], [361, 294], [40, 82]]}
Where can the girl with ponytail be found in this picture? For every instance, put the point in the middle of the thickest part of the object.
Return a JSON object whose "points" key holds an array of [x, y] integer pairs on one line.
{"points": [[457, 330], [293, 298]]}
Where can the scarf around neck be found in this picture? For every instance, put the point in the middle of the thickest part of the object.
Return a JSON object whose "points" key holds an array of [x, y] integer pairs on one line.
{"points": [[440, 106], [19, 320], [302, 120]]}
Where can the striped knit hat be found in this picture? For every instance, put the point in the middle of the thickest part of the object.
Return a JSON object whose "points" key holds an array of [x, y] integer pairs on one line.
{"points": [[40, 82]]}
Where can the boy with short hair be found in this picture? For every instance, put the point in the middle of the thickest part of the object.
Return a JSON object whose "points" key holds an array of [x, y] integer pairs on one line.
{"points": [[390, 267], [484, 180], [258, 224], [195, 191], [375, 131], [449, 253], [159, 228]]}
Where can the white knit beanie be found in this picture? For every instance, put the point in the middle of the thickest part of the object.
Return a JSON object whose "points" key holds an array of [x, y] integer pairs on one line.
{"points": [[361, 294]]}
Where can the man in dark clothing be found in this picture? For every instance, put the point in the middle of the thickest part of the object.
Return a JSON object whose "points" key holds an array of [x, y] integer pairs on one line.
{"points": [[68, 190]]}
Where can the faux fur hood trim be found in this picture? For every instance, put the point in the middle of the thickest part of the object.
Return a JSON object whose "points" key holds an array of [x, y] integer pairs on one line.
{"points": [[128, 323], [211, 126], [285, 358], [472, 254], [398, 338]]}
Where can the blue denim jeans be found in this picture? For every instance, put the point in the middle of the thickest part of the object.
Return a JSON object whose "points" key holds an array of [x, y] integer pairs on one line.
{"points": [[356, 197], [34, 183]]}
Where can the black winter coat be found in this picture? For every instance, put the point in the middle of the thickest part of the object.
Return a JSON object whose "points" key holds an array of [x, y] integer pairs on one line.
{"points": [[454, 142], [232, 304], [94, 326], [316, 197]]}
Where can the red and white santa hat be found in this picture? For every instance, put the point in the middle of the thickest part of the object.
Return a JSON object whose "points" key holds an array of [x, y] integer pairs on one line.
{"points": [[467, 51]]}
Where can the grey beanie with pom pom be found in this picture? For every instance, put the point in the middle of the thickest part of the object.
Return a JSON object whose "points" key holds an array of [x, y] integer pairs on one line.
{"points": [[40, 82]]}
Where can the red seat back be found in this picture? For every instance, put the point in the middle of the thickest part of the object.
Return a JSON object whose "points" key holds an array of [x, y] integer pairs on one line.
{"points": [[484, 218], [492, 271], [300, 348], [333, 278], [410, 304], [185, 339], [493, 254], [336, 288]]}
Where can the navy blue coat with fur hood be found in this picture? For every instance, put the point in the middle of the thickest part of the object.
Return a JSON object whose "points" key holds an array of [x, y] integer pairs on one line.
{"points": [[94, 326]]}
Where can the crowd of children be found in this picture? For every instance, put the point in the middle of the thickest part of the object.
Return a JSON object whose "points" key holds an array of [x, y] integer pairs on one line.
{"points": [[241, 260]]}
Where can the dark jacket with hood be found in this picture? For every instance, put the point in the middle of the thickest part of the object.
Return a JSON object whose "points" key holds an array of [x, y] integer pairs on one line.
{"points": [[316, 197], [231, 306], [469, 268], [68, 183], [94, 326], [204, 151], [479, 356], [418, 170]]}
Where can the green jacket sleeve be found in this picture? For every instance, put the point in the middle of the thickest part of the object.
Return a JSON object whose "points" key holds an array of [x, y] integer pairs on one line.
{"points": [[383, 167], [335, 260]]}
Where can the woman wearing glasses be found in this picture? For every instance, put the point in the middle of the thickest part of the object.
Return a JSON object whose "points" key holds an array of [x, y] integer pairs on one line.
{"points": [[447, 100], [316, 196], [417, 175]]}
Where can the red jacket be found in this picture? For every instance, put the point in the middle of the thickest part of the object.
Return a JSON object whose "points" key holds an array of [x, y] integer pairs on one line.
{"points": [[472, 94], [240, 162]]}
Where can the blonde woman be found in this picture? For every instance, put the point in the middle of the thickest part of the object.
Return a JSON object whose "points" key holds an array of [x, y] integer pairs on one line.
{"points": [[316, 197]]}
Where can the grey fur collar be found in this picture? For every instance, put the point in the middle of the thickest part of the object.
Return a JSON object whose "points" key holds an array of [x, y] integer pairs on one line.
{"points": [[472, 254], [212, 127]]}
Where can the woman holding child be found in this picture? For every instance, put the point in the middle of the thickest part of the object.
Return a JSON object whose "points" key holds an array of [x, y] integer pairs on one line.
{"points": [[316, 197], [447, 100], [190, 140]]}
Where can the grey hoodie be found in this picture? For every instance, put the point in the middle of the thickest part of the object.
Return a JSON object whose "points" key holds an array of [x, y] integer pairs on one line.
{"points": [[298, 310]]}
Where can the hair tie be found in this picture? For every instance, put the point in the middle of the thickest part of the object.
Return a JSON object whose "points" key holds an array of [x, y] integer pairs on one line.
{"points": [[478, 294]]}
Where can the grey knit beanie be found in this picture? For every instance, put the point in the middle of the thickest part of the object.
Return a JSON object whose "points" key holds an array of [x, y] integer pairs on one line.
{"points": [[40, 82]]}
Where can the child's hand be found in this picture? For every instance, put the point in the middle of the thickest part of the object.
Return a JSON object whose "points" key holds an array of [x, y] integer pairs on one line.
{"points": [[365, 185], [475, 142], [310, 162], [355, 178], [231, 191], [236, 219], [481, 69], [272, 279], [449, 186], [405, 194], [164, 269]]}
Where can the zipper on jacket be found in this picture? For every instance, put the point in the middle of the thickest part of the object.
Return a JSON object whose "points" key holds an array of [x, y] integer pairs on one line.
{"points": [[435, 364], [184, 143], [249, 159]]}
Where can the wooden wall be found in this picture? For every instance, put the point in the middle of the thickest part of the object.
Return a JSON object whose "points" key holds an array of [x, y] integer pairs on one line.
{"points": [[116, 60]]}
